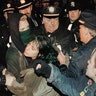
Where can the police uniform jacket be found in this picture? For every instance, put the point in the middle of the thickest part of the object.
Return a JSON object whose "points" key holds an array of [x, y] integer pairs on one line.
{"points": [[74, 31], [60, 36]]}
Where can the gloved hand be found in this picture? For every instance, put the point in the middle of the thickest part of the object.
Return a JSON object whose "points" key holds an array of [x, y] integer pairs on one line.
{"points": [[42, 68]]}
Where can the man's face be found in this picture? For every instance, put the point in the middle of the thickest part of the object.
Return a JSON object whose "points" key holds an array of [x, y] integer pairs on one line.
{"points": [[91, 67], [32, 49], [83, 33], [26, 11], [74, 15], [51, 24]]}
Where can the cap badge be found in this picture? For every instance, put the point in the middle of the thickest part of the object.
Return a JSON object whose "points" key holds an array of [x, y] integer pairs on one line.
{"points": [[22, 1], [72, 4], [51, 9], [8, 5]]}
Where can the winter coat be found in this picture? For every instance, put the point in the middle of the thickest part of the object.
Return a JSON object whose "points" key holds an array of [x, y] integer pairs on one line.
{"points": [[78, 63], [27, 83], [70, 86]]}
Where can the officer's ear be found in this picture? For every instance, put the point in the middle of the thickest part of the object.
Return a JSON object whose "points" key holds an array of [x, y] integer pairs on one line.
{"points": [[79, 11]]}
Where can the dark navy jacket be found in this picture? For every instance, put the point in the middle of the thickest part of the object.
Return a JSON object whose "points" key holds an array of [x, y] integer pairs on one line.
{"points": [[78, 63], [70, 86]]}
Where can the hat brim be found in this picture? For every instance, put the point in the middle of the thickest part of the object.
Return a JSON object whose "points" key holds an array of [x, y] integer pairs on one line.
{"points": [[9, 9], [70, 9], [87, 24], [24, 6], [51, 15]]}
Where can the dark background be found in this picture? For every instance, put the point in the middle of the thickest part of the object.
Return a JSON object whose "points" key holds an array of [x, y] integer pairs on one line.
{"points": [[86, 4]]}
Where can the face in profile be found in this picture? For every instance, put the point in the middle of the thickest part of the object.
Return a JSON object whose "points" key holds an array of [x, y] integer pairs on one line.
{"points": [[26, 11], [38, 47], [91, 67], [32, 49]]}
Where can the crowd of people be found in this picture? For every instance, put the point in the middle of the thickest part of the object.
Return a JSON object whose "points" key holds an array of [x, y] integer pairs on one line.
{"points": [[47, 49]]}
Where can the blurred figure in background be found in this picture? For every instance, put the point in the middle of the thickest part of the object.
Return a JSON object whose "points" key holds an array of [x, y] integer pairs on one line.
{"points": [[8, 7], [56, 3], [45, 3], [37, 11]]}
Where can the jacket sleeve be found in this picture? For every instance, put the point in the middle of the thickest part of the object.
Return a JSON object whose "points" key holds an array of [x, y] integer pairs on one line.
{"points": [[23, 89], [13, 63], [64, 84], [76, 66]]}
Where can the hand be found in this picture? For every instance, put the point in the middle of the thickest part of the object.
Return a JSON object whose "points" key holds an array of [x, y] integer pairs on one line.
{"points": [[42, 68], [61, 58], [9, 78]]}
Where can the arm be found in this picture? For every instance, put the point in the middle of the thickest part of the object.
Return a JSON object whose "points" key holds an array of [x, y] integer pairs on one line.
{"points": [[23, 89], [74, 69], [54, 76], [6, 79], [64, 84], [13, 60]]}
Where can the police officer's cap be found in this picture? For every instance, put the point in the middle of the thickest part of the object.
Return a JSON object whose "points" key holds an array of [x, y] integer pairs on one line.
{"points": [[8, 6], [88, 18], [21, 4], [51, 12], [73, 6]]}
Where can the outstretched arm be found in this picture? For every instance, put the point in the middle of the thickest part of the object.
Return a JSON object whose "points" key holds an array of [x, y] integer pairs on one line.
{"points": [[52, 73]]}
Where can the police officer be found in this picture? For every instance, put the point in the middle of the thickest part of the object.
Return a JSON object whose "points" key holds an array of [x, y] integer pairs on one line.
{"points": [[53, 29], [71, 24], [26, 7], [8, 7]]}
